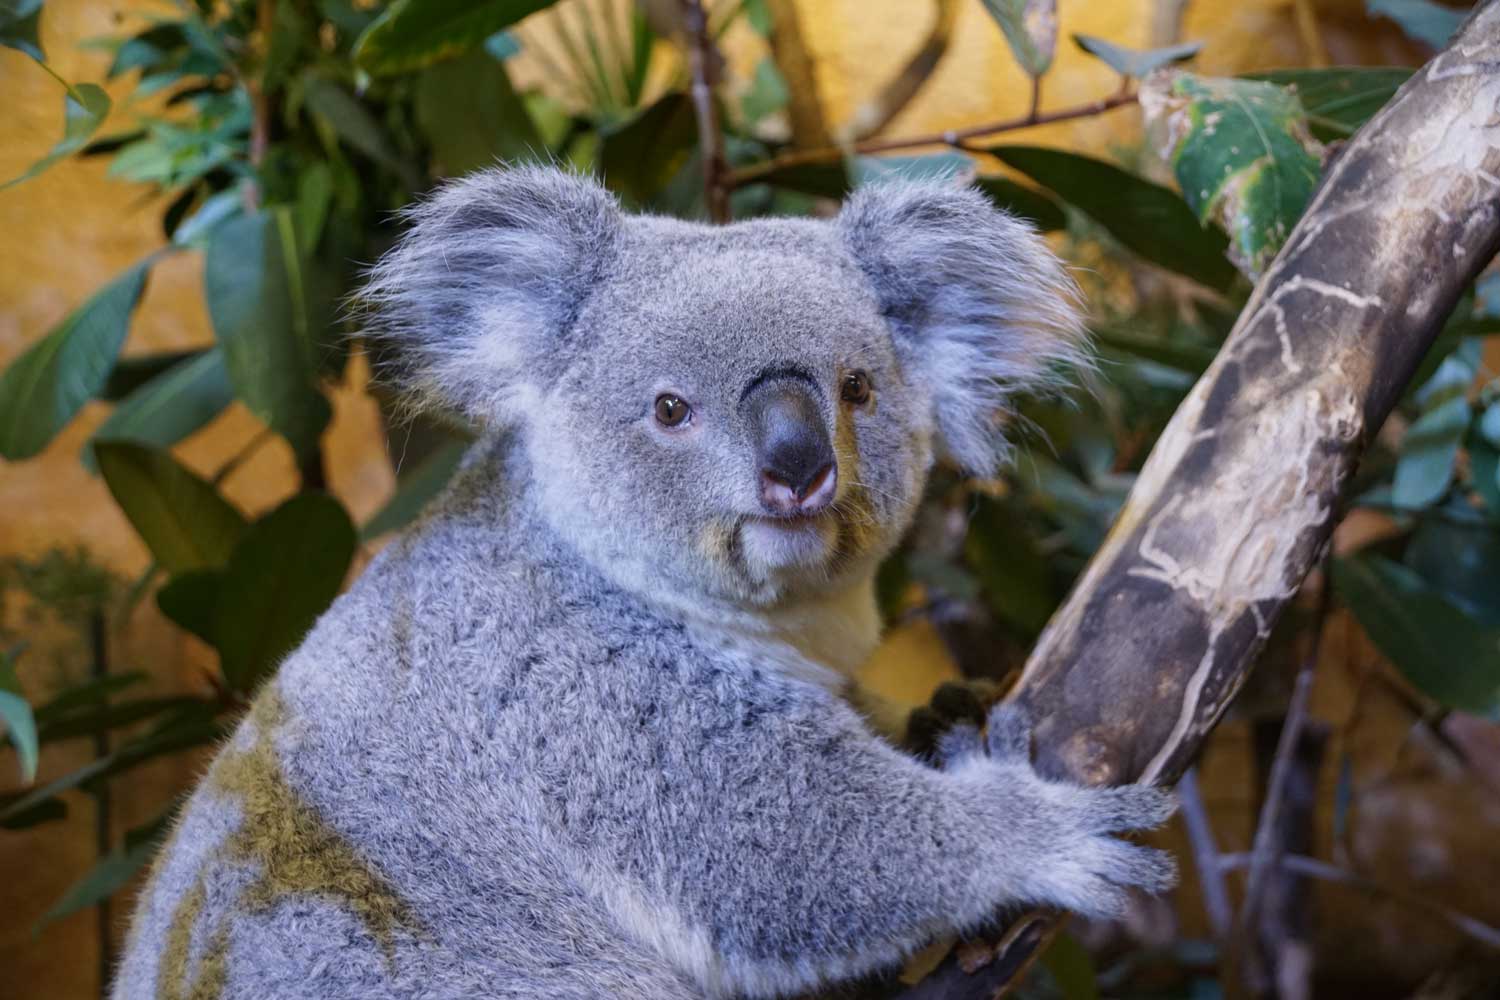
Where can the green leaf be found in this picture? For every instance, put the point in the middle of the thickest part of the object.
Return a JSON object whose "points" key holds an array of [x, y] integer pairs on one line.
{"points": [[1444, 652], [182, 519], [1340, 99], [767, 93], [169, 407], [1191, 358], [196, 229], [933, 166], [1030, 28], [415, 489], [416, 33], [1135, 62], [133, 371], [194, 725], [1145, 217], [502, 45], [45, 386], [1430, 23], [640, 156], [86, 695], [268, 323], [491, 124], [1071, 968], [356, 126], [1014, 574], [15, 712], [19, 21], [284, 573], [102, 881], [1461, 559], [821, 180], [85, 106], [1243, 155], [107, 716], [1429, 455], [191, 600], [1027, 202]]}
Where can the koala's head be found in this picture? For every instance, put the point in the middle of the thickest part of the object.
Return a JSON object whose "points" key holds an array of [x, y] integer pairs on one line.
{"points": [[742, 414]]}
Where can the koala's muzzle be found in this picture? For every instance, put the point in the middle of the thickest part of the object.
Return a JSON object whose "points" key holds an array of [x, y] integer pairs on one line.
{"points": [[793, 448]]}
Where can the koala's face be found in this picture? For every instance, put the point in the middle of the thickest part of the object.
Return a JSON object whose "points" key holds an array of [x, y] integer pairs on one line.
{"points": [[741, 414], [735, 412]]}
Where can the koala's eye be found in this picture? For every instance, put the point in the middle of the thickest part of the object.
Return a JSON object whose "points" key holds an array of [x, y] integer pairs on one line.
{"points": [[856, 388], [671, 411]]}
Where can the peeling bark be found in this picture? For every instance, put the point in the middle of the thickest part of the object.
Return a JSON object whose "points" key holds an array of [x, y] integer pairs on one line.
{"points": [[1237, 500]]}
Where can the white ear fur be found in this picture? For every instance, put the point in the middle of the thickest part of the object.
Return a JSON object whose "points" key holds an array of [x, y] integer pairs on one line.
{"points": [[979, 305], [493, 268]]}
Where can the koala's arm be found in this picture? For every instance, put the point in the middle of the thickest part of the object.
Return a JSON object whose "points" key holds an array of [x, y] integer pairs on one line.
{"points": [[838, 855]]}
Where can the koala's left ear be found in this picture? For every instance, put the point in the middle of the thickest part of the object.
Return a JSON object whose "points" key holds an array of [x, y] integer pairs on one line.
{"points": [[978, 304], [486, 285]]}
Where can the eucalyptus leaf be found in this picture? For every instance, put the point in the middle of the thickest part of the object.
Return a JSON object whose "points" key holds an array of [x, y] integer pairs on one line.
{"points": [[1013, 572], [190, 599], [19, 22], [415, 489], [1339, 99], [931, 167], [268, 322], [85, 106], [1242, 154], [182, 519], [1191, 358], [411, 34], [104, 717], [15, 713], [1135, 63], [1446, 653], [283, 574], [1145, 217], [197, 228], [107, 877], [86, 695], [43, 388], [1030, 28], [640, 157], [1027, 202], [490, 125], [1429, 455], [821, 180], [168, 408], [1427, 22], [767, 93], [356, 126], [1461, 558]]}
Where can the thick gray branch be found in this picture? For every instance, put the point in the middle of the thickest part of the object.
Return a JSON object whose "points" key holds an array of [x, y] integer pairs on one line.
{"points": [[1238, 497]]}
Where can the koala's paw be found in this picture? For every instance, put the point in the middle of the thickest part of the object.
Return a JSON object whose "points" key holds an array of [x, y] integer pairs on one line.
{"points": [[1078, 862], [947, 727]]}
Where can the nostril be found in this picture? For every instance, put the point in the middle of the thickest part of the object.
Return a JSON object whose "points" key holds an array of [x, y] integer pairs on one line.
{"points": [[819, 490]]}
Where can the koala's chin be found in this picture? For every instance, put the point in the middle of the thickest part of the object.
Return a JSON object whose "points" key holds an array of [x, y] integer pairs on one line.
{"points": [[776, 545]]}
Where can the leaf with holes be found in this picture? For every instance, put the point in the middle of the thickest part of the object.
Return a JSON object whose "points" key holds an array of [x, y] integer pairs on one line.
{"points": [[42, 390], [1242, 154], [182, 519]]}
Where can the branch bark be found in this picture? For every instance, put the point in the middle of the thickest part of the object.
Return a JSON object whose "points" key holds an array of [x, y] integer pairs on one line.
{"points": [[716, 177], [1237, 500]]}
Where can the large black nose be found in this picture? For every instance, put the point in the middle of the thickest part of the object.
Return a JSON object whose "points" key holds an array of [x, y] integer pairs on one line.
{"points": [[792, 446]]}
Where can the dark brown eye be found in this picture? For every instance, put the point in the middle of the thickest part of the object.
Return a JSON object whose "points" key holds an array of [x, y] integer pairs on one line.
{"points": [[856, 388], [671, 411]]}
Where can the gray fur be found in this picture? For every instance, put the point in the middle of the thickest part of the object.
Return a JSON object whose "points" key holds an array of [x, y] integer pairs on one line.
{"points": [[583, 720]]}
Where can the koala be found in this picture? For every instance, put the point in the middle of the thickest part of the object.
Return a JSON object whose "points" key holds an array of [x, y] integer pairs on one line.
{"points": [[581, 731]]}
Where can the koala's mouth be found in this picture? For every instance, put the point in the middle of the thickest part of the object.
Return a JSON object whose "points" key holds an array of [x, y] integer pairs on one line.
{"points": [[769, 544]]}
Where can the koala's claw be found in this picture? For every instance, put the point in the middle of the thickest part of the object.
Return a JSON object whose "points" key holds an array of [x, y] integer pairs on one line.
{"points": [[953, 705]]}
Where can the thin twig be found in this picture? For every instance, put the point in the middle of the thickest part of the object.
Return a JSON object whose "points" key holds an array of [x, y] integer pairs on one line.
{"points": [[717, 180], [899, 91], [952, 137], [1205, 856], [234, 461], [1323, 871]]}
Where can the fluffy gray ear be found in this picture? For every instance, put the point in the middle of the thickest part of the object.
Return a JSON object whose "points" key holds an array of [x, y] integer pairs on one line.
{"points": [[979, 306], [486, 283]]}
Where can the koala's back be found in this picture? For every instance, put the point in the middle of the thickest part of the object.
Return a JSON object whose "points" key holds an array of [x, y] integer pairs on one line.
{"points": [[393, 818]]}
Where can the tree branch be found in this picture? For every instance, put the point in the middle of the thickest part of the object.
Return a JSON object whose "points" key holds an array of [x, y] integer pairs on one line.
{"points": [[899, 90], [716, 179], [1237, 499], [952, 137]]}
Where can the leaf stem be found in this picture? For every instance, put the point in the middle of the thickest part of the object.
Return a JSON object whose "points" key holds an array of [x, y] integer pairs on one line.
{"points": [[959, 138]]}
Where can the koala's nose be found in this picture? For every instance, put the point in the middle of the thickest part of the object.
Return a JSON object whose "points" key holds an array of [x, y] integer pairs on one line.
{"points": [[792, 448]]}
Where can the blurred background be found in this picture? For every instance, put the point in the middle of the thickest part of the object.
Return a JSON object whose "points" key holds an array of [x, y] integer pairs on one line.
{"points": [[196, 456]]}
